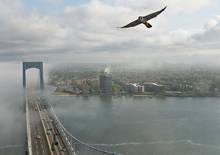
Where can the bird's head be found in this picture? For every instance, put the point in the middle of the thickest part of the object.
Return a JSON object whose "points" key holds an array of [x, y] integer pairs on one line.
{"points": [[141, 19]]}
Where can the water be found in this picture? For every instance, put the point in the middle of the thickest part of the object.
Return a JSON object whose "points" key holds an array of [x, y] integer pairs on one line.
{"points": [[131, 125], [142, 126], [12, 112], [12, 108]]}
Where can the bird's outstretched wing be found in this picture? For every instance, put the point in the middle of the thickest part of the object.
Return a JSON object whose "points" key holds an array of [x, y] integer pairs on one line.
{"points": [[132, 24], [153, 15]]}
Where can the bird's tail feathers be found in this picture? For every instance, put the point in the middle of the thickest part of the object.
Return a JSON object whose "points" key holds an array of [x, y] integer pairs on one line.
{"points": [[148, 25]]}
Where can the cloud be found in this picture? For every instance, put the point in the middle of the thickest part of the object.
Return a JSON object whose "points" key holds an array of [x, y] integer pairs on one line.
{"points": [[53, 1], [23, 31], [176, 6], [212, 23], [210, 35], [88, 32]]}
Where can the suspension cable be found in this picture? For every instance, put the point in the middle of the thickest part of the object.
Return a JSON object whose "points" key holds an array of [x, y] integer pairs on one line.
{"points": [[76, 139]]}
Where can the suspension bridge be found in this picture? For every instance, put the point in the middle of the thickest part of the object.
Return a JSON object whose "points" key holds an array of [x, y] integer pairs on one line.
{"points": [[46, 135]]}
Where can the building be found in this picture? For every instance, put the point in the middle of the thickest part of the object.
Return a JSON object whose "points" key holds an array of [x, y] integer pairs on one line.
{"points": [[140, 89], [154, 87], [135, 88], [105, 83], [132, 88]]}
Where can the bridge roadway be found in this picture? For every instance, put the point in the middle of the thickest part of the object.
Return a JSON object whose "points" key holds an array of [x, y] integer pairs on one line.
{"points": [[45, 137]]}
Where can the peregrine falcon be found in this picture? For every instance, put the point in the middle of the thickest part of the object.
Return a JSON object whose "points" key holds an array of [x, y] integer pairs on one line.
{"points": [[144, 19]]}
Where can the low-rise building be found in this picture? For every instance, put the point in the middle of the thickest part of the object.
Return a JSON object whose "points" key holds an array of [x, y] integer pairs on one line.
{"points": [[153, 87], [140, 89], [135, 88]]}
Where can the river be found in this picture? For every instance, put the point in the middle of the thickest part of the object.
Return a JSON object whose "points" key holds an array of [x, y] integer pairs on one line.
{"points": [[12, 111], [130, 125], [140, 125]]}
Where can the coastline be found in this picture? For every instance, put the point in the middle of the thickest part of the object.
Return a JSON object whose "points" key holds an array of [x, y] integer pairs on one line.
{"points": [[68, 94], [63, 94]]}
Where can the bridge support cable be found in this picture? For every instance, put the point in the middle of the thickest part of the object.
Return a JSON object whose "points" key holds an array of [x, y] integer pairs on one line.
{"points": [[79, 147], [58, 139]]}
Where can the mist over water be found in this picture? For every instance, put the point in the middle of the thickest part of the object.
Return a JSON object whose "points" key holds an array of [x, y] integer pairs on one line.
{"points": [[167, 126], [140, 125], [12, 112]]}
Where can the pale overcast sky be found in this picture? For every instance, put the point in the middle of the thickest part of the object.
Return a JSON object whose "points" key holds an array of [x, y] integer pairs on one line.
{"points": [[85, 31]]}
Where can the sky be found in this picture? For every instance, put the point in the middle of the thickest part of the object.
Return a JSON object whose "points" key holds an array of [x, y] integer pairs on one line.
{"points": [[187, 32]]}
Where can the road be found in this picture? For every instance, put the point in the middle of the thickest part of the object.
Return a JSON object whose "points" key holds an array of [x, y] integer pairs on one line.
{"points": [[38, 137], [45, 137]]}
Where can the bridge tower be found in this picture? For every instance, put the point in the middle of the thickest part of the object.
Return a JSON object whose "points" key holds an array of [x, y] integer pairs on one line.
{"points": [[37, 65]]}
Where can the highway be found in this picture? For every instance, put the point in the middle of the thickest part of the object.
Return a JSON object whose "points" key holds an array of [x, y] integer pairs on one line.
{"points": [[45, 137], [38, 138]]}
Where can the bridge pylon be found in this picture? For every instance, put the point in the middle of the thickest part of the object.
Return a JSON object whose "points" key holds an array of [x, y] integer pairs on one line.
{"points": [[37, 65]]}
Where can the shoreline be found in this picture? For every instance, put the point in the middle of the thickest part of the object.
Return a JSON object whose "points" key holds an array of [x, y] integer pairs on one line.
{"points": [[134, 95], [63, 94]]}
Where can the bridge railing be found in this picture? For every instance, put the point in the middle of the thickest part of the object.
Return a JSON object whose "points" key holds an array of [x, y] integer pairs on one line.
{"points": [[76, 146]]}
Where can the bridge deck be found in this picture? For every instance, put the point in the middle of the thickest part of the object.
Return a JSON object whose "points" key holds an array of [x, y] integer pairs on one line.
{"points": [[38, 138], [45, 137]]}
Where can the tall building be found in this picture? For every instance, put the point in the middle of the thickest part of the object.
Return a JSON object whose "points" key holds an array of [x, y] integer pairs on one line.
{"points": [[105, 84]]}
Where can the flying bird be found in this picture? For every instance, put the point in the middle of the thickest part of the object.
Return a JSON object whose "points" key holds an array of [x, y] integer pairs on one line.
{"points": [[144, 19]]}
